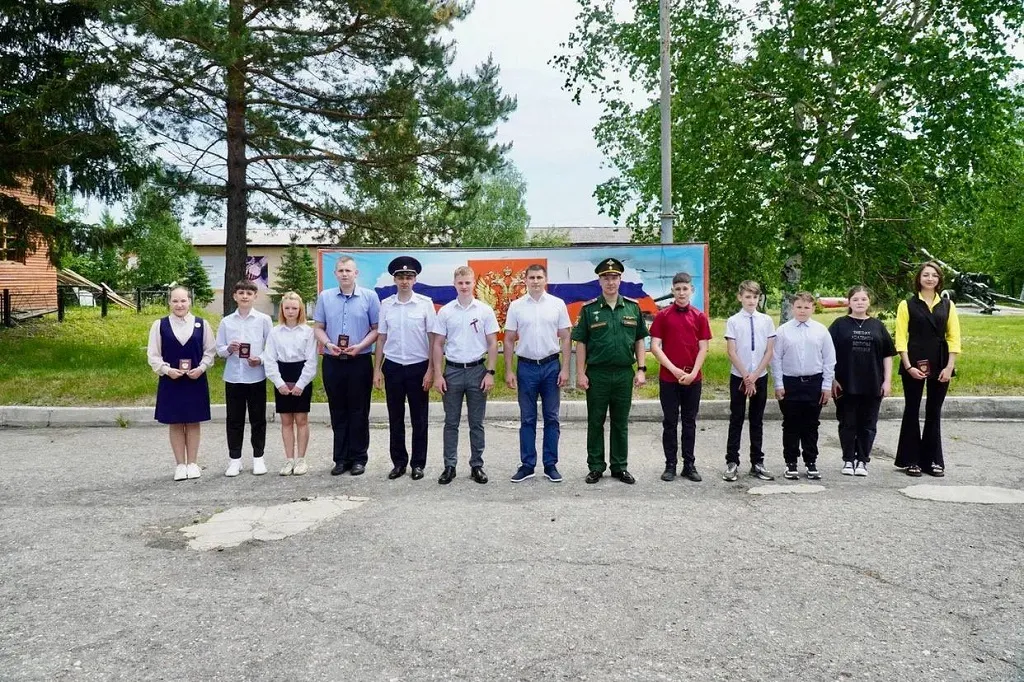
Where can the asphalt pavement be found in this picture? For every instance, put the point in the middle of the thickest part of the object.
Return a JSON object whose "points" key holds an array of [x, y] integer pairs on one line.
{"points": [[530, 581]]}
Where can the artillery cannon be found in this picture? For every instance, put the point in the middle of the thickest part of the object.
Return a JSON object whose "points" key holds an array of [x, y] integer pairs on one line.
{"points": [[975, 287]]}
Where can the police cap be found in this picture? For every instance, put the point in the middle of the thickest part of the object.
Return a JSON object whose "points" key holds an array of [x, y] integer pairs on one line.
{"points": [[405, 265]]}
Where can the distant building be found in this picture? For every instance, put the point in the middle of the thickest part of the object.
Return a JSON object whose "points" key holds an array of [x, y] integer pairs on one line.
{"points": [[31, 279], [585, 236]]}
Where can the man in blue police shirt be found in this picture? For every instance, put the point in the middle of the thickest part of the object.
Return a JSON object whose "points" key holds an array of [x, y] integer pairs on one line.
{"points": [[345, 324]]}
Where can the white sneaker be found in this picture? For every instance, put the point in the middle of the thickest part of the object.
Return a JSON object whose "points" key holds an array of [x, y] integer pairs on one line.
{"points": [[862, 469], [234, 468], [194, 471], [259, 467], [847, 468], [180, 472], [300, 466], [289, 466]]}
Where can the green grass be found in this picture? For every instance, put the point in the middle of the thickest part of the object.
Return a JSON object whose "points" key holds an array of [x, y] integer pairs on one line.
{"points": [[88, 360]]}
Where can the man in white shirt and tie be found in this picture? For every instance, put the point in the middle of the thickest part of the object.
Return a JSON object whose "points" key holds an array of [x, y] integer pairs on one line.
{"points": [[404, 367], [803, 366], [465, 357], [537, 330]]}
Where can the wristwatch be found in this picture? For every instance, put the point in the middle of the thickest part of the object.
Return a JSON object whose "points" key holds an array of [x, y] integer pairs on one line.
{"points": [[491, 372], [641, 368]]}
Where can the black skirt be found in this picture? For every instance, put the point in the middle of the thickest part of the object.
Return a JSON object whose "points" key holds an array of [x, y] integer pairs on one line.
{"points": [[289, 404]]}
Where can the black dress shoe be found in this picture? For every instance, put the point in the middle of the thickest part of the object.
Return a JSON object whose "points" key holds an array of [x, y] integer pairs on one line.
{"points": [[358, 469], [446, 476], [339, 469], [691, 474], [624, 476], [594, 476], [417, 473], [478, 475], [397, 472], [669, 475]]}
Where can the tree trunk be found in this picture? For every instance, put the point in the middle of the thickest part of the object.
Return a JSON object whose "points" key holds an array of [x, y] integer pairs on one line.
{"points": [[237, 192]]}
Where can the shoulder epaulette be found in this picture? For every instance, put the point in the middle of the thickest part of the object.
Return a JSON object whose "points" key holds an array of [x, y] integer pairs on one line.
{"points": [[631, 300], [593, 300]]}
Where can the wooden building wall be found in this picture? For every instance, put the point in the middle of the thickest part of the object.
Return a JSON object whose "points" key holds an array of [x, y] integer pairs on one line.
{"points": [[33, 284]]}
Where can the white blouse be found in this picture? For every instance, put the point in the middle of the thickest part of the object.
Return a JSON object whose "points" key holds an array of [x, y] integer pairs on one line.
{"points": [[290, 344], [182, 327]]}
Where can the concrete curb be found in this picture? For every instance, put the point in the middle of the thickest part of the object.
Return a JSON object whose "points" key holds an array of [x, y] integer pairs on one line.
{"points": [[974, 407]]}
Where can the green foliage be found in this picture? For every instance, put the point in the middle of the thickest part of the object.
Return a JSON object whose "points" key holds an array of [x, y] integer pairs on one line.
{"points": [[815, 144], [496, 215], [57, 132], [296, 273], [550, 238], [94, 255], [161, 253], [196, 279]]}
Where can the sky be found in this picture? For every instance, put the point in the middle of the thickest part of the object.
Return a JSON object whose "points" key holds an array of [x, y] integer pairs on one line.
{"points": [[552, 137]]}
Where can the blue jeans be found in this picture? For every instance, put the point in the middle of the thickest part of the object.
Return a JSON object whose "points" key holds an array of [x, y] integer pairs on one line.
{"points": [[539, 380]]}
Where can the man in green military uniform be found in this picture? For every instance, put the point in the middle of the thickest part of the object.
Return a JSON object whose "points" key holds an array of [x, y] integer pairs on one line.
{"points": [[609, 337]]}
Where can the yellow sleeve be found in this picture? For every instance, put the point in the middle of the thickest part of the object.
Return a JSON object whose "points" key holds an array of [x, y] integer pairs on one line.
{"points": [[953, 330], [903, 327]]}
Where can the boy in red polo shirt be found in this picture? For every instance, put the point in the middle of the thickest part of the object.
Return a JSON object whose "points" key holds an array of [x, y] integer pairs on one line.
{"points": [[679, 339]]}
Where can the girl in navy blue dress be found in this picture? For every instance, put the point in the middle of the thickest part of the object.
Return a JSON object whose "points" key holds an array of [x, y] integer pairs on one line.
{"points": [[181, 350]]}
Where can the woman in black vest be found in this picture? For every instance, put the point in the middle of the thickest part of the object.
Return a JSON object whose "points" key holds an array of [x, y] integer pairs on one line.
{"points": [[928, 341]]}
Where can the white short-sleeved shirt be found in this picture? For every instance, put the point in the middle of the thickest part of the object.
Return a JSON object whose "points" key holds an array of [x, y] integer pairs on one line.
{"points": [[751, 333], [406, 325], [465, 329], [536, 324]]}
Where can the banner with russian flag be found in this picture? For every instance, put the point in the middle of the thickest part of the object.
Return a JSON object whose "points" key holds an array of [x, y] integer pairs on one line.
{"points": [[501, 273]]}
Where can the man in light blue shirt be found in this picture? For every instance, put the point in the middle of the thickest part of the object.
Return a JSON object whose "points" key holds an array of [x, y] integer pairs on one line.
{"points": [[345, 324]]}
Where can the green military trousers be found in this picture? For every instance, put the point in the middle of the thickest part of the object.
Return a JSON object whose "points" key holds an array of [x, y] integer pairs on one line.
{"points": [[611, 391]]}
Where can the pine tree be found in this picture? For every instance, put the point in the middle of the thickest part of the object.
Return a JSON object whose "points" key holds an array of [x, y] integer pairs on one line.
{"points": [[293, 111], [296, 273], [197, 280], [58, 133]]}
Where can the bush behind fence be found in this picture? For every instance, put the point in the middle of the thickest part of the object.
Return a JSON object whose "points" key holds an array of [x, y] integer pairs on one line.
{"points": [[19, 305]]}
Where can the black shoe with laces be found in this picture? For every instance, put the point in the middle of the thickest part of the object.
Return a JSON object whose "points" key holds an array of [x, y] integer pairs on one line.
{"points": [[624, 476]]}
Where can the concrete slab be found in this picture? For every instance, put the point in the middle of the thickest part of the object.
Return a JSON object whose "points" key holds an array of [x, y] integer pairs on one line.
{"points": [[790, 489], [241, 524], [971, 494], [573, 409], [26, 416]]}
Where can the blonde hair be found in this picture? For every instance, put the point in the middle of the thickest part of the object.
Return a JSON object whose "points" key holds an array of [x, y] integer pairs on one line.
{"points": [[291, 296], [464, 270]]}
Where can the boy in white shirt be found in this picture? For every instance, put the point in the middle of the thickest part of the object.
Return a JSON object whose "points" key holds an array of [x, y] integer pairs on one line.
{"points": [[750, 341], [241, 337], [803, 366]]}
